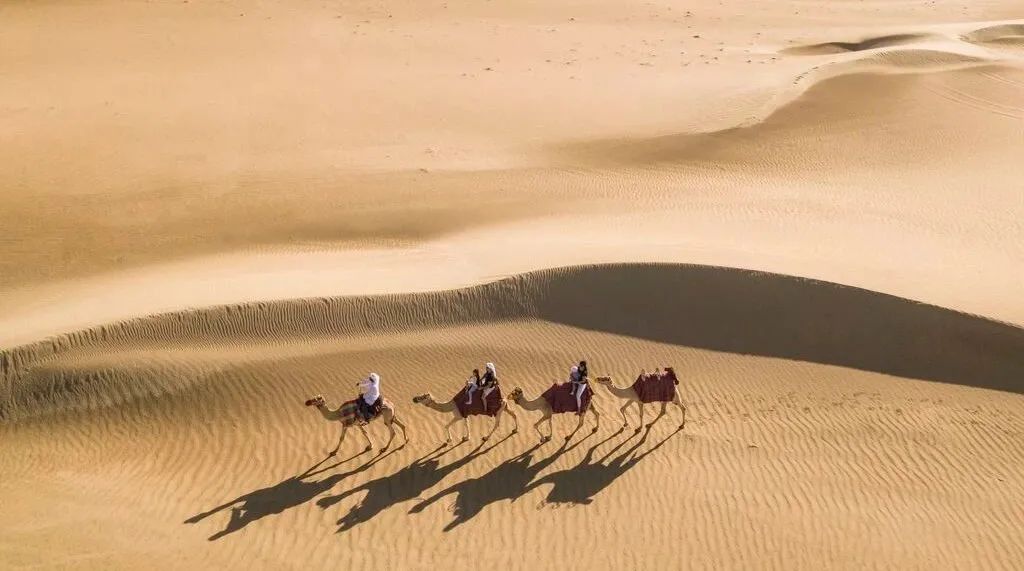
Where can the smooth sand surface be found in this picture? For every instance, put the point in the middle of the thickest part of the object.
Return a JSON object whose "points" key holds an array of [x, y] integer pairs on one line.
{"points": [[214, 211]]}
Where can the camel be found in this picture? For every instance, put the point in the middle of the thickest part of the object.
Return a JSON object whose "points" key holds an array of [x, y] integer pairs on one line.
{"points": [[347, 418], [630, 396], [450, 407], [541, 404]]}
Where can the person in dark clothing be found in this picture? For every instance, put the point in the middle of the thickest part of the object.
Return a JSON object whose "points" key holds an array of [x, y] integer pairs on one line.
{"points": [[578, 378]]}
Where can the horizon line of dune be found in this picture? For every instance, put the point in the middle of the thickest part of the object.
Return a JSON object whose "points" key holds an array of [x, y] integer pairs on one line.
{"points": [[717, 308]]}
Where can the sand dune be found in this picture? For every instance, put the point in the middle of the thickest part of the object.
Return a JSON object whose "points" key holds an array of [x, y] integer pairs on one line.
{"points": [[777, 428], [213, 211], [1006, 35], [720, 309]]}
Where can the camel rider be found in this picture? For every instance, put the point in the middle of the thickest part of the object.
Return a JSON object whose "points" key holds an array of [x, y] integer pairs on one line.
{"points": [[578, 378], [472, 384], [487, 383], [582, 368], [369, 394]]}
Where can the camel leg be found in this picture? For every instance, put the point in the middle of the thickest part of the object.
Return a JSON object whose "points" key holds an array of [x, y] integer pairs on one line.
{"points": [[344, 428], [622, 411], [369, 443], [578, 426], [536, 426], [641, 427], [505, 409], [400, 424], [494, 426], [664, 405], [682, 408], [391, 433], [448, 431], [597, 418], [466, 432]]}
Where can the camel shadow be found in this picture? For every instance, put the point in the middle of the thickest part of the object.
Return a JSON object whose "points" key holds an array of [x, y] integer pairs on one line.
{"points": [[579, 484], [403, 485], [284, 495], [507, 481]]}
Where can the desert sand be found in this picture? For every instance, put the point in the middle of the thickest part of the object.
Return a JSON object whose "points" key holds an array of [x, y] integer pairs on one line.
{"points": [[214, 211]]}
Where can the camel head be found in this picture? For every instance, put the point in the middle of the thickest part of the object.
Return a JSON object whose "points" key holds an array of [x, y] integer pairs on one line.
{"points": [[516, 394], [419, 399], [318, 400], [603, 380]]}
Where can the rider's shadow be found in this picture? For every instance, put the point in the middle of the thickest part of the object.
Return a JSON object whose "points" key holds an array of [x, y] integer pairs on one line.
{"points": [[579, 484], [507, 481], [406, 484], [282, 496]]}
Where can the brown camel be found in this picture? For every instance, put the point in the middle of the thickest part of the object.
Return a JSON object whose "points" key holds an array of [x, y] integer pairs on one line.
{"points": [[629, 395], [450, 407], [541, 404], [347, 416]]}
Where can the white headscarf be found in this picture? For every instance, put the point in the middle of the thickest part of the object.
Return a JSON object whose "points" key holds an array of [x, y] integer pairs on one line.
{"points": [[375, 378], [490, 367]]}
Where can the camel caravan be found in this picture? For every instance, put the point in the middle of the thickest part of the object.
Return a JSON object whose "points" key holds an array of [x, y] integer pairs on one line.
{"points": [[482, 396]]}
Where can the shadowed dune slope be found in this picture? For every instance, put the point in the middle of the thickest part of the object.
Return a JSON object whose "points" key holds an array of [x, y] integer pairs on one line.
{"points": [[866, 44], [1004, 34], [715, 308]]}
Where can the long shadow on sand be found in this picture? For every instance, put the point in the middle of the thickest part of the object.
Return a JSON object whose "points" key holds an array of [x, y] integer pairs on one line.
{"points": [[507, 481], [580, 483], [406, 484], [282, 496]]}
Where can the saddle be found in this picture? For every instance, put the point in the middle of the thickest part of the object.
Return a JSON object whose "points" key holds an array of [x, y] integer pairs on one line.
{"points": [[656, 387], [490, 408], [369, 411], [560, 398]]}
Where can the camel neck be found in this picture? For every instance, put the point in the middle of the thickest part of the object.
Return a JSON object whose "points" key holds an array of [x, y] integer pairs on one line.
{"points": [[327, 412], [624, 392], [531, 404], [430, 403]]}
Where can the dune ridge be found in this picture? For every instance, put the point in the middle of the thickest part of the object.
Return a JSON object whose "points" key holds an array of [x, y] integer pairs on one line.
{"points": [[721, 309], [835, 47]]}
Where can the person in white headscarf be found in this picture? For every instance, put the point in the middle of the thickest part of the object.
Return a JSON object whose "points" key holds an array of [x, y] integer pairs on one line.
{"points": [[488, 382], [369, 391]]}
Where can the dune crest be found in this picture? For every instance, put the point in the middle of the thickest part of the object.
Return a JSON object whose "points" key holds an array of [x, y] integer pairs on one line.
{"points": [[837, 47], [720, 309]]}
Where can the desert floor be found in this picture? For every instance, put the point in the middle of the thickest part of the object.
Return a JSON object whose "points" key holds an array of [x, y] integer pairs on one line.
{"points": [[213, 211]]}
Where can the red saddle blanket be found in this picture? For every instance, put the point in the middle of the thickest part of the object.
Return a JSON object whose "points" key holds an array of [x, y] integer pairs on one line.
{"points": [[656, 387], [477, 406], [561, 399]]}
